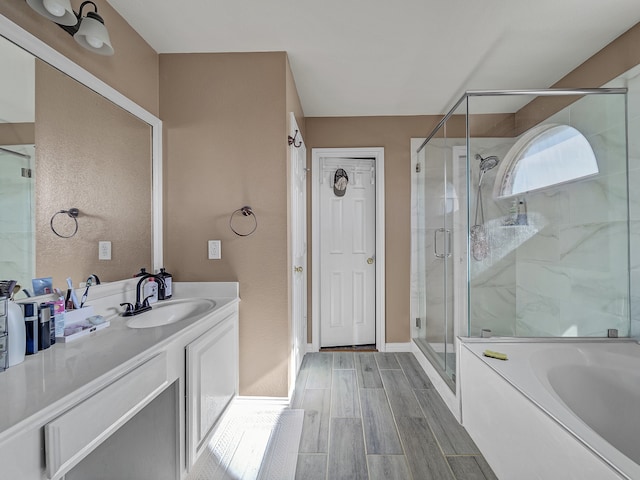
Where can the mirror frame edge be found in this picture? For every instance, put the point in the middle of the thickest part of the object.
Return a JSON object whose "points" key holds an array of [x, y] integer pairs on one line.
{"points": [[38, 48]]}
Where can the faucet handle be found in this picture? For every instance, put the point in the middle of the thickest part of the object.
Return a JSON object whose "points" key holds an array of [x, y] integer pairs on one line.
{"points": [[145, 302], [128, 307]]}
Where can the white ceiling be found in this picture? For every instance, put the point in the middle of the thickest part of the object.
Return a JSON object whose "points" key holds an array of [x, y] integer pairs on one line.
{"points": [[392, 57]]}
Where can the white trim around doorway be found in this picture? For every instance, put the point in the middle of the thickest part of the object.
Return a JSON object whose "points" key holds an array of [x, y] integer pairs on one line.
{"points": [[377, 153]]}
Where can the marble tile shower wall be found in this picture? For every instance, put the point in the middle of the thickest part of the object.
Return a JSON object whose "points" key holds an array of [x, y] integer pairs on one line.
{"points": [[493, 278], [565, 273], [633, 102], [571, 276]]}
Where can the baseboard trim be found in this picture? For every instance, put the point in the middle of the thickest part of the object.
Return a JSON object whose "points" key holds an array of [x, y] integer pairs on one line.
{"points": [[310, 348], [257, 401], [449, 397], [398, 347]]}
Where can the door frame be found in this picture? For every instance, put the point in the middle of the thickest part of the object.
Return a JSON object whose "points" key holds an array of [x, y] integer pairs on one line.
{"points": [[377, 153], [295, 327]]}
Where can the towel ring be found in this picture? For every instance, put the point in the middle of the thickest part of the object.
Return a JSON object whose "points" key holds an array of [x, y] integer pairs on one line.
{"points": [[73, 213], [246, 212]]}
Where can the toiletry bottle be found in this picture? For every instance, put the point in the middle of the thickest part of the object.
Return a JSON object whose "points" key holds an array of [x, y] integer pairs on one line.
{"points": [[17, 333], [44, 327], [522, 213], [30, 313], [513, 212], [165, 293], [52, 323], [58, 309], [151, 290]]}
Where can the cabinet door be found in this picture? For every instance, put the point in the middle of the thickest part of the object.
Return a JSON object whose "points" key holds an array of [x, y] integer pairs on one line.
{"points": [[212, 378]]}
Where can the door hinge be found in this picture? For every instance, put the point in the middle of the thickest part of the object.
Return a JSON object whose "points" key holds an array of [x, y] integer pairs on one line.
{"points": [[418, 168], [26, 172], [418, 322]]}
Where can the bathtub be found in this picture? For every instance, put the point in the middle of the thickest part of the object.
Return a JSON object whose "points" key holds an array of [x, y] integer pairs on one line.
{"points": [[555, 409]]}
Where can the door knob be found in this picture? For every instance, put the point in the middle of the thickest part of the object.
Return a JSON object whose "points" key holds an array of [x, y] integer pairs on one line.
{"points": [[370, 260], [297, 269]]}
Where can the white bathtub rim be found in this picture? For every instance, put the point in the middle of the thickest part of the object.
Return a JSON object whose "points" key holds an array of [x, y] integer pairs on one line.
{"points": [[550, 403]]}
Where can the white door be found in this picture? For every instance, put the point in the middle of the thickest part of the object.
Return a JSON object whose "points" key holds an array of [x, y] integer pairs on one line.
{"points": [[347, 254], [298, 185]]}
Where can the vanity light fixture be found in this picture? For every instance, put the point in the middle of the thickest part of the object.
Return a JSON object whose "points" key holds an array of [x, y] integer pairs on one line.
{"points": [[89, 31]]}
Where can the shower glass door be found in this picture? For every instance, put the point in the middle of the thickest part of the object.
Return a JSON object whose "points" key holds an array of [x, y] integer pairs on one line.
{"points": [[435, 204]]}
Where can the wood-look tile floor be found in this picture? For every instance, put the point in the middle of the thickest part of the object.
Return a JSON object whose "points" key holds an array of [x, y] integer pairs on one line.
{"points": [[377, 416]]}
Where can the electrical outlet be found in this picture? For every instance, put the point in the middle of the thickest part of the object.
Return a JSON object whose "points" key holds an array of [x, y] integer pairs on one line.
{"points": [[104, 250], [215, 248]]}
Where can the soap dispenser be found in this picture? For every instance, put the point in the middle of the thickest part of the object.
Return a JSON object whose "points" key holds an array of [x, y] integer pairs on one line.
{"points": [[164, 291]]}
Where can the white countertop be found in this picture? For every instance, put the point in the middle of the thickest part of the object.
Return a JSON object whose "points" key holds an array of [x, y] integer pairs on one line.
{"points": [[57, 378]]}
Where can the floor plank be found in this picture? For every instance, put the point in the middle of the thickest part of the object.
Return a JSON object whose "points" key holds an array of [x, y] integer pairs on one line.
{"points": [[347, 459], [452, 437], [315, 428], [380, 433], [374, 420], [344, 394], [471, 467], [311, 467], [367, 370], [421, 449], [388, 467], [414, 372], [343, 360], [401, 397], [320, 366], [387, 361]]}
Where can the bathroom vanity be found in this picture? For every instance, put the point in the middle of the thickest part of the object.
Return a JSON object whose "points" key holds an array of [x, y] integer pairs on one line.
{"points": [[124, 402]]}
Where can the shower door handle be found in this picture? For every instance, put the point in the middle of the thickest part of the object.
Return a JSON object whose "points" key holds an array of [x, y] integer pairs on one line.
{"points": [[447, 234]]}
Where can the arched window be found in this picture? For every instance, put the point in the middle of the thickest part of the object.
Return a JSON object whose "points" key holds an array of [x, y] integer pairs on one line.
{"points": [[544, 156]]}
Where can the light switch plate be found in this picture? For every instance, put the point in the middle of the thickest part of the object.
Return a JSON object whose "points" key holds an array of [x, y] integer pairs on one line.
{"points": [[104, 250], [215, 252]]}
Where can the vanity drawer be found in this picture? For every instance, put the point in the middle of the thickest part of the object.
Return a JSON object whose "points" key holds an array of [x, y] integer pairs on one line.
{"points": [[76, 433], [4, 354]]}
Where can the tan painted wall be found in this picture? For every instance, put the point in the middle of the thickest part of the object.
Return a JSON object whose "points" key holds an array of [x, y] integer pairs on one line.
{"points": [[17, 133], [132, 70], [612, 61], [394, 134], [79, 159], [225, 146]]}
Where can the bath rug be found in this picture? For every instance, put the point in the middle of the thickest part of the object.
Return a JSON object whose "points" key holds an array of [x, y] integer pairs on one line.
{"points": [[252, 443]]}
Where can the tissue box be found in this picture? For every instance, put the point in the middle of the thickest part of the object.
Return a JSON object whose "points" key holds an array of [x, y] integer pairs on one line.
{"points": [[77, 326]]}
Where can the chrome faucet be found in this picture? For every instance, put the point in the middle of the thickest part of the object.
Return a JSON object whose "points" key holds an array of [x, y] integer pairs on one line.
{"points": [[140, 306]]}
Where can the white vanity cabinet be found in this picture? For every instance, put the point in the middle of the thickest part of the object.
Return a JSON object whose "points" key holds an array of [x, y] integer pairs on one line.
{"points": [[124, 402], [211, 381]]}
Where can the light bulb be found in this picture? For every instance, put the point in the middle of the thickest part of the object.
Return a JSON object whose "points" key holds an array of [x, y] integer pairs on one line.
{"points": [[54, 8], [94, 42]]}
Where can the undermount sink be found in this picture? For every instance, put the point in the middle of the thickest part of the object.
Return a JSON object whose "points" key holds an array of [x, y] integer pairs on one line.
{"points": [[171, 311]]}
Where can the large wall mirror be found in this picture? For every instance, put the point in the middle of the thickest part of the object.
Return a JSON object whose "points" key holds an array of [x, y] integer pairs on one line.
{"points": [[67, 140]]}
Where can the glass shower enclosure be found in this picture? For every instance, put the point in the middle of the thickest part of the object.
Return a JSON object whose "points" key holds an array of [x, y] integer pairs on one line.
{"points": [[17, 239], [520, 220]]}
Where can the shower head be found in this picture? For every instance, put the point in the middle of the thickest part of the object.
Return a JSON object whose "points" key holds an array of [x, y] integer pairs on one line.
{"points": [[487, 163]]}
